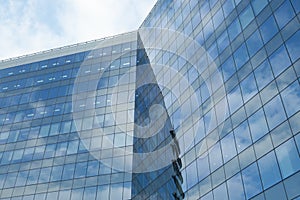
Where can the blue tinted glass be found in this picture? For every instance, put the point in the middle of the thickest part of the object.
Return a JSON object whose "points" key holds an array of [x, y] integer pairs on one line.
{"points": [[274, 112], [208, 29], [242, 137], [288, 158], [204, 8], [204, 92], [276, 192], [248, 87], [235, 99], [213, 51], [254, 43], [215, 157], [103, 192], [196, 19], [10, 180], [291, 98], [191, 173], [258, 5], [228, 147], [241, 56], [223, 41], [89, 193], [33, 176], [269, 170], [246, 16], [258, 125], [218, 18], [68, 171], [263, 74], [22, 177], [268, 29], [297, 139], [80, 169], [228, 7], [220, 193], [228, 68], [208, 196], [203, 171], [65, 194], [293, 46], [234, 29], [279, 60], [251, 180], [54, 130], [56, 173], [93, 167], [45, 175], [296, 5], [200, 38], [292, 186], [284, 14], [235, 187]]}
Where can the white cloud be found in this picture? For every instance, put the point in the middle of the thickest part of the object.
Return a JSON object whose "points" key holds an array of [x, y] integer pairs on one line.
{"points": [[29, 26]]}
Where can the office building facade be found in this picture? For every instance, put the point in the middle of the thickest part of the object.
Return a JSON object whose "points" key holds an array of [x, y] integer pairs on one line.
{"points": [[201, 102]]}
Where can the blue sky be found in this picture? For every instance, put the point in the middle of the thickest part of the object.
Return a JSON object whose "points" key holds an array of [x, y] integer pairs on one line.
{"points": [[30, 26]]}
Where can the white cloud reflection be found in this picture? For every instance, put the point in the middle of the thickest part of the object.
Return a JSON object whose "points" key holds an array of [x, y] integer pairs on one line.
{"points": [[30, 26]]}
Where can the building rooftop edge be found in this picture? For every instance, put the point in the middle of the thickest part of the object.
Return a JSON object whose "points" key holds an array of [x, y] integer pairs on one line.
{"points": [[68, 49]]}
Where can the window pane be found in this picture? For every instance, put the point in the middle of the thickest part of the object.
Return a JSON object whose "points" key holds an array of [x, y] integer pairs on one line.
{"points": [[258, 5], [293, 46], [258, 125], [191, 173], [235, 187], [218, 18], [263, 74], [235, 99], [242, 136], [246, 16], [254, 43], [284, 14], [251, 180], [291, 98], [296, 5], [248, 87], [288, 158], [103, 192], [220, 193], [268, 29], [215, 157], [56, 173], [228, 7], [90, 193], [276, 192], [68, 171], [228, 147], [203, 171], [292, 186], [274, 112], [116, 191], [279, 60], [241, 56], [234, 29], [269, 170], [228, 68]]}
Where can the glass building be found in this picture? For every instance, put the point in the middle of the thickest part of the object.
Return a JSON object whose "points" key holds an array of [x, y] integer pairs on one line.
{"points": [[201, 102]]}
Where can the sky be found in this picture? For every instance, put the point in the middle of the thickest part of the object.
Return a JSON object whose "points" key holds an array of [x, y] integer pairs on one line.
{"points": [[29, 26]]}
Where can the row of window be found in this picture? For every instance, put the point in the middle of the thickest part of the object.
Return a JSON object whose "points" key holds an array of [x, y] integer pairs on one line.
{"points": [[113, 191], [52, 77], [267, 171], [78, 57]]}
